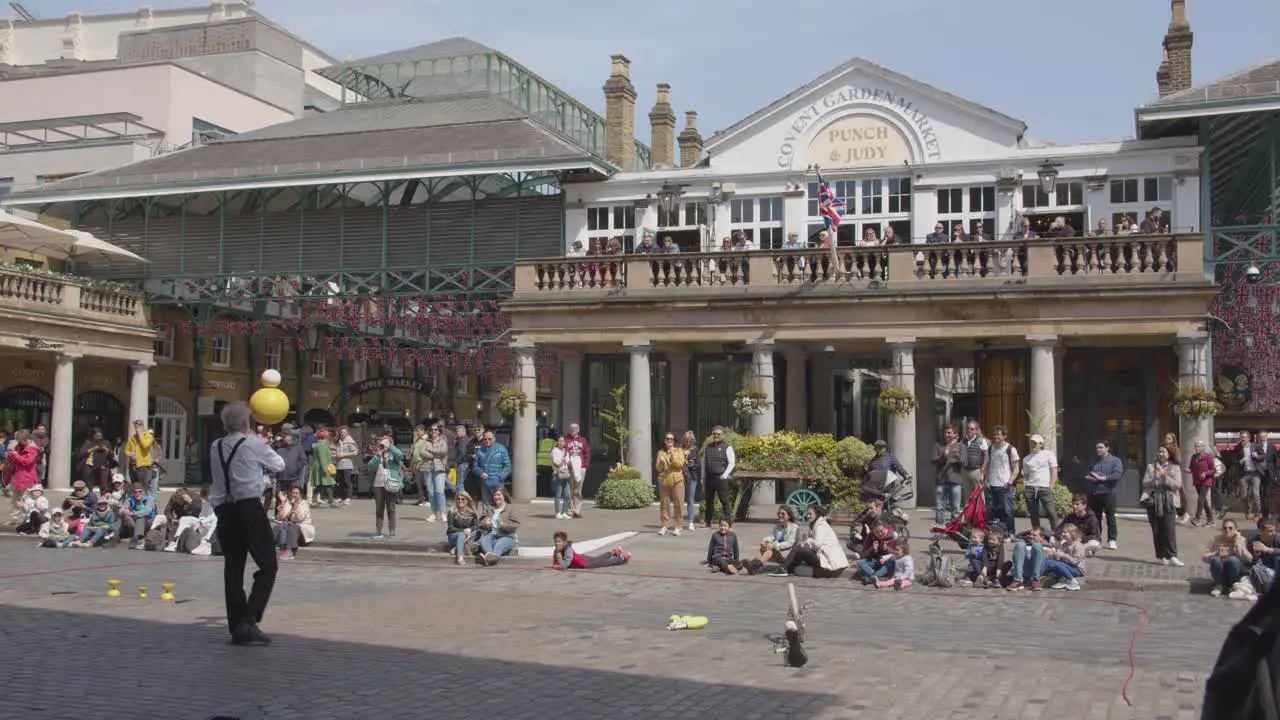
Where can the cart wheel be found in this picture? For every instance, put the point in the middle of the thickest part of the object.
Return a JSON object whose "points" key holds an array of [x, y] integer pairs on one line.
{"points": [[801, 500]]}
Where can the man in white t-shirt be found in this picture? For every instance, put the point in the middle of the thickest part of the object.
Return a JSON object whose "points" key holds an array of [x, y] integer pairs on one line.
{"points": [[1040, 475], [1003, 466]]}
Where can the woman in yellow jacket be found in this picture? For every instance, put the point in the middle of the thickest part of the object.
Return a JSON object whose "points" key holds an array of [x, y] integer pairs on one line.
{"points": [[670, 468]]}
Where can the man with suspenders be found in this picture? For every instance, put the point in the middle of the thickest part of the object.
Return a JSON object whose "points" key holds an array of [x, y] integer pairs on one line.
{"points": [[238, 462]]}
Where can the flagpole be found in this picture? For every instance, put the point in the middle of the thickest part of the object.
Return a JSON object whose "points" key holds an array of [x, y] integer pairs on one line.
{"points": [[833, 230]]}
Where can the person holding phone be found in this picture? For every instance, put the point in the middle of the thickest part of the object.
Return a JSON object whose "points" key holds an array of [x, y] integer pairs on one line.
{"points": [[388, 479]]}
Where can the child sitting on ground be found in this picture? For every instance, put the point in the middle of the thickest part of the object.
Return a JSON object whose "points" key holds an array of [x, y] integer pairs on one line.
{"points": [[722, 552], [904, 569], [565, 558], [100, 526], [56, 533], [1066, 562], [1085, 521], [974, 555], [878, 557], [35, 511]]}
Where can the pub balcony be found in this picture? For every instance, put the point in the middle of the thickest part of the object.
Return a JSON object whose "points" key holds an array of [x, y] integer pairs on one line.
{"points": [[1089, 285], [68, 300]]}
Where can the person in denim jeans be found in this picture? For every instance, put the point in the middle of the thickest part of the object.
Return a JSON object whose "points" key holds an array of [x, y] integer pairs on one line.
{"points": [[1028, 560], [498, 526], [462, 452], [946, 462], [463, 526], [100, 526], [1003, 468], [561, 479], [1228, 558], [692, 475], [1040, 476]]}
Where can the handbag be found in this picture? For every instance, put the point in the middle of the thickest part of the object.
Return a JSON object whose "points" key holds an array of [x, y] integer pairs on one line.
{"points": [[390, 482], [330, 469]]}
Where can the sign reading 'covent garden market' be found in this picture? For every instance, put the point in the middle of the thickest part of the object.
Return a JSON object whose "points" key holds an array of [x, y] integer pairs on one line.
{"points": [[858, 146], [388, 383]]}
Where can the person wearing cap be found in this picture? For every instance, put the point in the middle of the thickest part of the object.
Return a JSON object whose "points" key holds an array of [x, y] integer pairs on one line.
{"points": [[100, 527], [885, 460], [1040, 476], [81, 501], [239, 462], [136, 515], [115, 496], [56, 533], [35, 510], [138, 449]]}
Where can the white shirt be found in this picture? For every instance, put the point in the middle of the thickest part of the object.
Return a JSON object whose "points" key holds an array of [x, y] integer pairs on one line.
{"points": [[1037, 468], [1000, 462], [251, 462]]}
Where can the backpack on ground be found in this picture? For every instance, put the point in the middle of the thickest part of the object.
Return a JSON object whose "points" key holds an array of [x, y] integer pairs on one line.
{"points": [[154, 539], [938, 570], [1245, 683], [189, 540]]}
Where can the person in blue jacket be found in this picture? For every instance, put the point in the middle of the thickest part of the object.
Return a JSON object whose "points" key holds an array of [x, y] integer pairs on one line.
{"points": [[492, 465], [1103, 477], [136, 515]]}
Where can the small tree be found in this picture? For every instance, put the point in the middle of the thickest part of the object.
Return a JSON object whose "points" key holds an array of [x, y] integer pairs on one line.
{"points": [[616, 427]]}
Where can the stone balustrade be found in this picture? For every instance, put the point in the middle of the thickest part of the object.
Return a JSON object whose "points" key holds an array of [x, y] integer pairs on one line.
{"points": [[56, 296], [1066, 262]]}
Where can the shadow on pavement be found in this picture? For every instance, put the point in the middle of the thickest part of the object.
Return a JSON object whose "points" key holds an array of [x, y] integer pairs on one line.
{"points": [[190, 671]]}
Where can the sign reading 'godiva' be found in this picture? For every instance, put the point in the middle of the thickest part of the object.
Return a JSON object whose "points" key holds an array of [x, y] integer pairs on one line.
{"points": [[845, 97]]}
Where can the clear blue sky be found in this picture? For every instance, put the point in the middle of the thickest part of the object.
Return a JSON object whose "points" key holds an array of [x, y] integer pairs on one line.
{"points": [[1072, 70]]}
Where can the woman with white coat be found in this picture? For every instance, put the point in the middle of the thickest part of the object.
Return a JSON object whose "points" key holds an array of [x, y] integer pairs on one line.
{"points": [[820, 551]]}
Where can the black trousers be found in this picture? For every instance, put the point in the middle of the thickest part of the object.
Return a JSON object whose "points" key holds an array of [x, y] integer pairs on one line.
{"points": [[473, 484], [1164, 533], [345, 478], [808, 556], [721, 490], [244, 532], [1105, 504]]}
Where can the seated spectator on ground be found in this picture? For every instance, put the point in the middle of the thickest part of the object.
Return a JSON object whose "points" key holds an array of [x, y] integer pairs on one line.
{"points": [[1028, 560], [81, 502], [1228, 556], [1266, 556], [1066, 562], [773, 549], [292, 525], [180, 505], [860, 530], [195, 530], [115, 498], [56, 533], [462, 527], [498, 526], [564, 557], [1085, 521], [903, 573], [820, 551], [100, 527], [974, 556], [136, 515], [35, 510], [722, 552], [878, 556], [986, 564]]}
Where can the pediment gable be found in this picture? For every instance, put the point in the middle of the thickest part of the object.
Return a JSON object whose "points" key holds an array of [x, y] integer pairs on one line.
{"points": [[862, 115]]}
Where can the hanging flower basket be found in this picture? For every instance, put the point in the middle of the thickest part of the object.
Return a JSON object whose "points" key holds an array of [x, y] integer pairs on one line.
{"points": [[512, 400], [896, 401], [1196, 402], [750, 402]]}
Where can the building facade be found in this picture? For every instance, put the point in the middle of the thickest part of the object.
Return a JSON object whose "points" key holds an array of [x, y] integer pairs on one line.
{"points": [[1075, 333]]}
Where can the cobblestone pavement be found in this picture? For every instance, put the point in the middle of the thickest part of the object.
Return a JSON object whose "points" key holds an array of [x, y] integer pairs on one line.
{"points": [[517, 641]]}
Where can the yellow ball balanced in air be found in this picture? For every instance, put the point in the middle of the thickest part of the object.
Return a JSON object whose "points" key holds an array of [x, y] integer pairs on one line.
{"points": [[269, 404]]}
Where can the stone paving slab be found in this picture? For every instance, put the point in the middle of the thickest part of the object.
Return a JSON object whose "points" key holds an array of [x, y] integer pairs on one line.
{"points": [[360, 641]]}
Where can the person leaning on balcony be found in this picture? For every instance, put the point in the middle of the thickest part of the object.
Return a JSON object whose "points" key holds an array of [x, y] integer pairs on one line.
{"points": [[1153, 222], [670, 468], [1025, 232], [938, 236], [138, 450], [869, 238], [1060, 228], [669, 246]]}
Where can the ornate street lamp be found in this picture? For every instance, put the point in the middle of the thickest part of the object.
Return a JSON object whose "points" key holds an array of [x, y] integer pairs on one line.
{"points": [[1048, 174], [669, 197], [313, 338]]}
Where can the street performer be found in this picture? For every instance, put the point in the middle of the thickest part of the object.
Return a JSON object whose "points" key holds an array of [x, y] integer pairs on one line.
{"points": [[238, 462]]}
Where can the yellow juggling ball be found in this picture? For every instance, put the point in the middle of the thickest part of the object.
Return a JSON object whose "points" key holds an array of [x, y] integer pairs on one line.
{"points": [[269, 404]]}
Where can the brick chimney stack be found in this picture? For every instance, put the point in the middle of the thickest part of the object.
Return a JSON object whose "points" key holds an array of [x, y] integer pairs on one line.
{"points": [[662, 125], [1174, 74], [620, 115], [690, 141]]}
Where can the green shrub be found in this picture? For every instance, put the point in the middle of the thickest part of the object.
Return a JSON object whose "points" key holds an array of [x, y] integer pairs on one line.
{"points": [[624, 489], [1061, 501], [852, 455]]}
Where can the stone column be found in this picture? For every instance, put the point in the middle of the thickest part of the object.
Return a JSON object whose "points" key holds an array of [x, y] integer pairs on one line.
{"points": [[640, 411], [926, 392], [902, 428], [681, 364], [797, 400], [765, 494], [1044, 390], [139, 386], [524, 460], [570, 390], [64, 379], [1193, 371]]}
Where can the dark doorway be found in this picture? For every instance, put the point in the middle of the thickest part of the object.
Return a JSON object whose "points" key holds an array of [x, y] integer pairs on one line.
{"points": [[25, 407], [97, 409]]}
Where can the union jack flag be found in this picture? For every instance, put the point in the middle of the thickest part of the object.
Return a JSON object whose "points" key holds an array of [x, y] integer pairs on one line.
{"points": [[830, 207]]}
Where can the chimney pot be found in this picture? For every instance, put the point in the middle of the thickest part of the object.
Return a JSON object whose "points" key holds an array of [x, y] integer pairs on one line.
{"points": [[662, 128], [620, 115], [690, 140]]}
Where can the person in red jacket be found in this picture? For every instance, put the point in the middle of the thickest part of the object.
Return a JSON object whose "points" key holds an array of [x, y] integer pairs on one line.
{"points": [[1203, 471], [564, 557], [22, 461]]}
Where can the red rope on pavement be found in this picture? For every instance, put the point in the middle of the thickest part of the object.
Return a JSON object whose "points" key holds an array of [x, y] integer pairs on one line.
{"points": [[17, 576]]}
